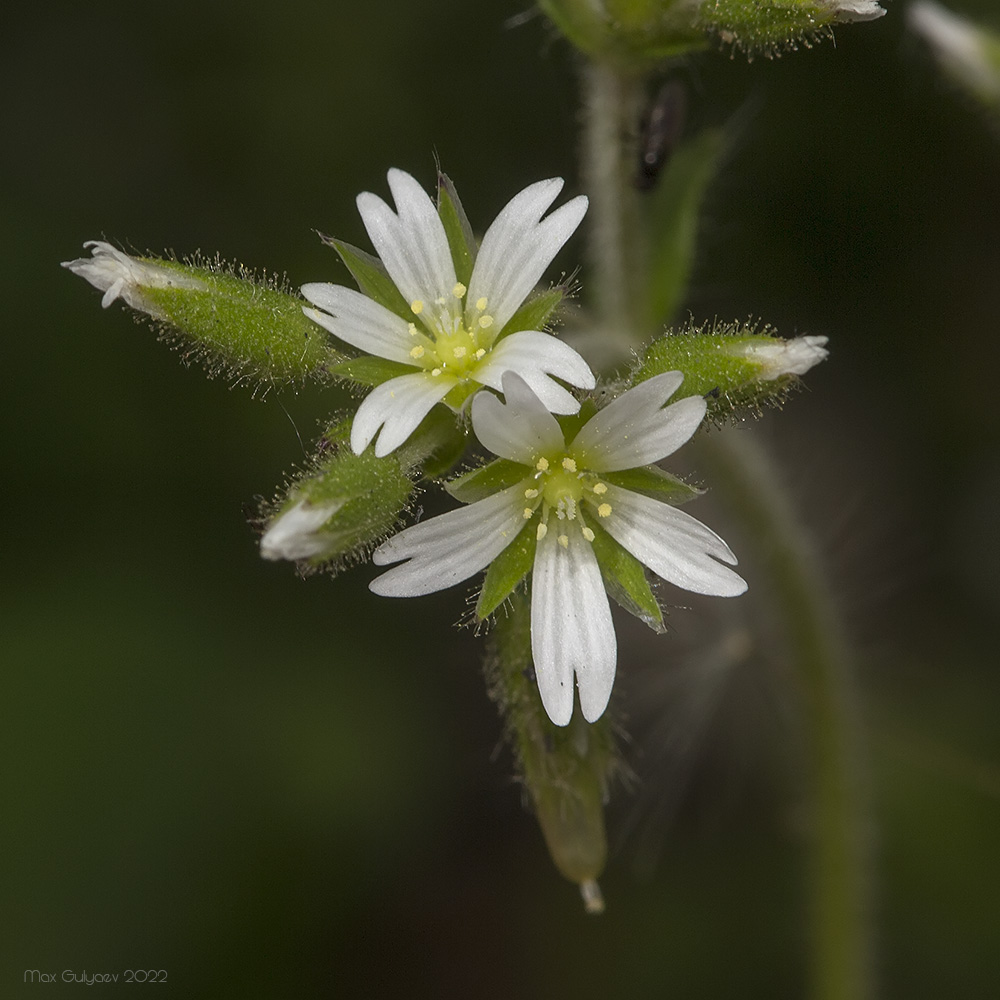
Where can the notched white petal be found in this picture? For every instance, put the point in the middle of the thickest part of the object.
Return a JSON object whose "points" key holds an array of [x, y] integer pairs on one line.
{"points": [[118, 275], [520, 429], [571, 628], [397, 406], [411, 241], [449, 549], [674, 545], [637, 429], [536, 357], [519, 246], [359, 321]]}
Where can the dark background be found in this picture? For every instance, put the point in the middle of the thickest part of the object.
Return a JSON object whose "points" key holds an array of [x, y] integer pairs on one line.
{"points": [[274, 788]]}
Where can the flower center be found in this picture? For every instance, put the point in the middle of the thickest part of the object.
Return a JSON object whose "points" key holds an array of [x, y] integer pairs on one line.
{"points": [[560, 488], [455, 338]]}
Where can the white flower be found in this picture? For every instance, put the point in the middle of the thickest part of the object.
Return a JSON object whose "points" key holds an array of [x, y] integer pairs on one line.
{"points": [[785, 357], [295, 533], [451, 340], [959, 46], [565, 491], [120, 276]]}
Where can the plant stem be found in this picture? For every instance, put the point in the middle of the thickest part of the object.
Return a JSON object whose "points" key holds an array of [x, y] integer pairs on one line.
{"points": [[611, 113], [840, 966], [840, 910]]}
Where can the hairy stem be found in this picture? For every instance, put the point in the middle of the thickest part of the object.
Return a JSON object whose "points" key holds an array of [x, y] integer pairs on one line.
{"points": [[611, 113], [840, 908]]}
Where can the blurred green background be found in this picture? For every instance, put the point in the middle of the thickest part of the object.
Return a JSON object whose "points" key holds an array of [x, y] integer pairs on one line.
{"points": [[272, 788]]}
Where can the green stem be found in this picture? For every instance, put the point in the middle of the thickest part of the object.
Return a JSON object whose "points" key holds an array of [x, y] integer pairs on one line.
{"points": [[840, 908], [611, 114]]}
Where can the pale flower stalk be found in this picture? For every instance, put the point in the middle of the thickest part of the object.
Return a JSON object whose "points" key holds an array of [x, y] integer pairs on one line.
{"points": [[565, 493], [451, 337]]}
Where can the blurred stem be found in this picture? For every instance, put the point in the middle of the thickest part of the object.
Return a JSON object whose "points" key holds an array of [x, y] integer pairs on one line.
{"points": [[612, 102], [840, 910]]}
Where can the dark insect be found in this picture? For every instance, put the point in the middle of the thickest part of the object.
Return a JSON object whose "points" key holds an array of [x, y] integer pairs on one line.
{"points": [[662, 128]]}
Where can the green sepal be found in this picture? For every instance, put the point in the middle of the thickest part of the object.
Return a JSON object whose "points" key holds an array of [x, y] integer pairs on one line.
{"points": [[240, 325], [487, 480], [652, 481], [625, 579], [461, 239], [674, 215], [535, 312], [507, 570], [369, 370], [372, 278]]}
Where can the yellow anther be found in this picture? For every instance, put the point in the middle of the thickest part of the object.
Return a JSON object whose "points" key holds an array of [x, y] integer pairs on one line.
{"points": [[417, 352], [600, 488], [485, 322], [569, 464], [528, 511], [481, 303], [459, 290], [412, 327], [480, 352], [417, 307], [604, 510], [459, 352], [543, 530], [588, 534], [563, 540], [530, 494], [437, 371], [542, 464]]}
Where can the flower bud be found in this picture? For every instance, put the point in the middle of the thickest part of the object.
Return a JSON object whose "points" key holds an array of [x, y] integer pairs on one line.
{"points": [[234, 322], [732, 365]]}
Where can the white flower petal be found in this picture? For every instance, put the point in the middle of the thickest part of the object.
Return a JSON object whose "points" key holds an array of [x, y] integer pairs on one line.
{"points": [[571, 628], [397, 406], [293, 535], [535, 357], [412, 244], [672, 544], [359, 321], [636, 430], [785, 357], [448, 549], [118, 275], [517, 248], [855, 10], [522, 429]]}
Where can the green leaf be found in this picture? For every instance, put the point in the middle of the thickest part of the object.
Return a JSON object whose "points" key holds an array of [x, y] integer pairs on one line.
{"points": [[674, 222], [372, 278], [653, 482], [625, 580], [487, 480], [535, 312], [461, 239], [507, 570], [369, 370]]}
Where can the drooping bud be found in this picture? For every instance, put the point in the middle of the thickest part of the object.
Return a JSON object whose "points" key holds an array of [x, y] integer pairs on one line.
{"points": [[566, 769], [967, 53], [732, 365], [346, 503], [233, 321]]}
